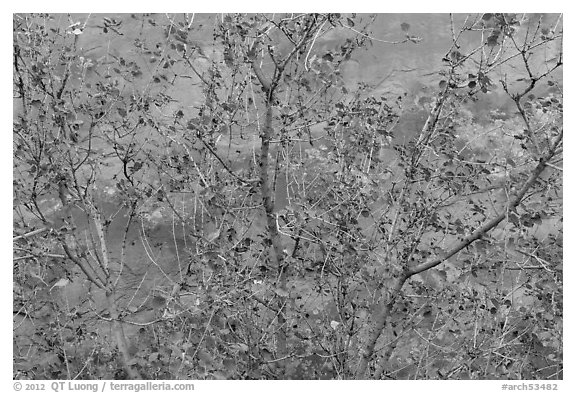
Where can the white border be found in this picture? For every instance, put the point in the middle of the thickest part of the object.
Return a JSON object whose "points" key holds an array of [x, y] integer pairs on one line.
{"points": [[381, 6]]}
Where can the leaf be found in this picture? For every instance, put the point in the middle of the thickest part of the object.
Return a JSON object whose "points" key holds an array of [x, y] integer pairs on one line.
{"points": [[442, 84], [50, 358], [328, 57], [281, 292], [239, 347], [61, 283], [487, 16], [219, 375], [350, 22], [158, 302], [334, 325], [229, 364], [213, 236], [492, 40], [405, 26], [153, 357], [205, 358], [456, 56], [137, 166]]}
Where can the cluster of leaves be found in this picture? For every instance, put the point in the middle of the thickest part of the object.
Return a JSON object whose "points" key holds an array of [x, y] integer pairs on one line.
{"points": [[362, 210]]}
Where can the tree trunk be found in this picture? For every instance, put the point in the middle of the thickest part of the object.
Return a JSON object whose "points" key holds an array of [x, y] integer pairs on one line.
{"points": [[377, 325], [120, 338], [276, 253]]}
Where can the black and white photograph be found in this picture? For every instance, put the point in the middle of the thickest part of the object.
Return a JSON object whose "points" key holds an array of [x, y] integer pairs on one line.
{"points": [[287, 196]]}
